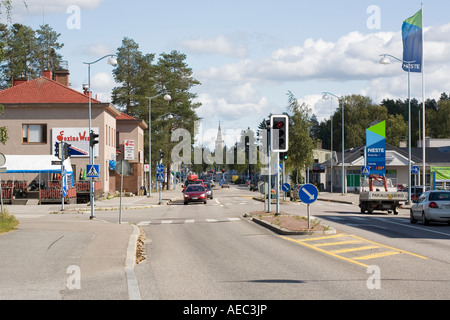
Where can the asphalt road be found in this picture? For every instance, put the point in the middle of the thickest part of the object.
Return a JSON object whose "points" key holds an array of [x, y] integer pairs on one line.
{"points": [[211, 252]]}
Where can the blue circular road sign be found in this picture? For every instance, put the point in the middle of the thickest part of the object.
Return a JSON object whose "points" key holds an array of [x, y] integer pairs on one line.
{"points": [[308, 193], [286, 187], [415, 169], [159, 168]]}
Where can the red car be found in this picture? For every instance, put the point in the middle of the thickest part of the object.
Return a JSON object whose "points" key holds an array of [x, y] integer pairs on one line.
{"points": [[195, 193]]}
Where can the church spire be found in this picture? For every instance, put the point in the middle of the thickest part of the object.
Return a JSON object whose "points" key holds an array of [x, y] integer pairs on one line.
{"points": [[219, 140]]}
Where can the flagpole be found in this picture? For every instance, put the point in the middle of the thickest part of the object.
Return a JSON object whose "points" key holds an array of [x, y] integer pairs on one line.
{"points": [[424, 181]]}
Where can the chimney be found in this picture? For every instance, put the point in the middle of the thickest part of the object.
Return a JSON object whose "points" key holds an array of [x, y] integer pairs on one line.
{"points": [[16, 82], [62, 74], [47, 74]]}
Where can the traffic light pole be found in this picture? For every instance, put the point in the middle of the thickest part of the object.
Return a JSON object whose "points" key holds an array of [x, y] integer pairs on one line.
{"points": [[62, 175], [277, 185]]}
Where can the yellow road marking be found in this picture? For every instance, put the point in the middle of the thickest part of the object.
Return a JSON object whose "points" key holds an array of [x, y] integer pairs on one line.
{"points": [[337, 243], [326, 252], [354, 249], [335, 253], [377, 255]]}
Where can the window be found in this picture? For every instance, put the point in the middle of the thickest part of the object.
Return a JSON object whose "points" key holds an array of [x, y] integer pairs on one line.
{"points": [[34, 133]]}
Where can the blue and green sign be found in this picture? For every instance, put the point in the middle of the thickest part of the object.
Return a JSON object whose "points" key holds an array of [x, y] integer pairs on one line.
{"points": [[376, 148]]}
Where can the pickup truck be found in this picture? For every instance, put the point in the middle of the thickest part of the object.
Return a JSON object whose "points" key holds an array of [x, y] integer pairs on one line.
{"points": [[381, 200]]}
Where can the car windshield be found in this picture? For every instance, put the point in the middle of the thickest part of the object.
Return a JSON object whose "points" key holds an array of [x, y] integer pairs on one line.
{"points": [[440, 196], [195, 188]]}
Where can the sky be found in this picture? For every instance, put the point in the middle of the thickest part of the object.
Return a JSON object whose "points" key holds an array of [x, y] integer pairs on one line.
{"points": [[249, 53]]}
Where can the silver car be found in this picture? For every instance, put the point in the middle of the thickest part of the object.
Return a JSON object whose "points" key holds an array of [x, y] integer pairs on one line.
{"points": [[431, 206]]}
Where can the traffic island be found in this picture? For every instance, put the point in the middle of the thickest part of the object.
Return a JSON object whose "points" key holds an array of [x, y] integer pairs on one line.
{"points": [[287, 224]]}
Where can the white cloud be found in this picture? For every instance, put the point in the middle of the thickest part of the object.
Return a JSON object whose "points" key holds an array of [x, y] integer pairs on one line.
{"points": [[51, 6], [219, 45]]}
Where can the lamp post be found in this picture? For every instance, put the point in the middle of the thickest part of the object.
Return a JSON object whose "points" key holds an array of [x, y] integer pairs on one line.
{"points": [[325, 96], [167, 97], [113, 62], [385, 60]]}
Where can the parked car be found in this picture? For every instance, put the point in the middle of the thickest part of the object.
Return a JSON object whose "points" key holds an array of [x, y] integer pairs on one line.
{"points": [[416, 191], [209, 190], [431, 206]]}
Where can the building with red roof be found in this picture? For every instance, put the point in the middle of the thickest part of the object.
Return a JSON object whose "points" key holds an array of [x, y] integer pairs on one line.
{"points": [[40, 112]]}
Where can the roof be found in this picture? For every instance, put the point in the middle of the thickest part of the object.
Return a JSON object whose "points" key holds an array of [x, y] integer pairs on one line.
{"points": [[126, 117], [43, 90]]}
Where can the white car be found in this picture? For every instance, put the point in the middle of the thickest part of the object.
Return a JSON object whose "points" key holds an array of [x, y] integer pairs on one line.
{"points": [[431, 206]]}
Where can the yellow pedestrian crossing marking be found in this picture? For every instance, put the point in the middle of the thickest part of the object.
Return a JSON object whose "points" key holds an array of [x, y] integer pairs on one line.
{"points": [[353, 249]]}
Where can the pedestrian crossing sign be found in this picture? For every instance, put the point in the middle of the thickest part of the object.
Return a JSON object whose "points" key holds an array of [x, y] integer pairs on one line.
{"points": [[92, 171], [160, 177]]}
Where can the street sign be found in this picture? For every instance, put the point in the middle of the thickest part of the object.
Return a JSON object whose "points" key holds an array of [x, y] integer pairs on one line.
{"points": [[308, 193], [286, 187], [123, 167], [159, 168], [415, 169], [365, 170], [160, 177], [56, 163], [129, 149], [92, 171]]}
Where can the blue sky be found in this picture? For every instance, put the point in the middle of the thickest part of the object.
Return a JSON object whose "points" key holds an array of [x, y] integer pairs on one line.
{"points": [[249, 53]]}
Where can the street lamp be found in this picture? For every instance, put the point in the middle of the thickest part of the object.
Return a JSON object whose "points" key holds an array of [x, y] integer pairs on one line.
{"points": [[385, 60], [326, 97], [113, 62], [167, 97]]}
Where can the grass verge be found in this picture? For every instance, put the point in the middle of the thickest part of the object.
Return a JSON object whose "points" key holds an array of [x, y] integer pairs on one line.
{"points": [[7, 222]]}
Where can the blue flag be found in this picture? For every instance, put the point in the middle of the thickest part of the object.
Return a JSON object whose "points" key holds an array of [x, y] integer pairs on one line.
{"points": [[413, 42]]}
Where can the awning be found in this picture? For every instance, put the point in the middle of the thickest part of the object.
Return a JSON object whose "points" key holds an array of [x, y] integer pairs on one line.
{"points": [[35, 164]]}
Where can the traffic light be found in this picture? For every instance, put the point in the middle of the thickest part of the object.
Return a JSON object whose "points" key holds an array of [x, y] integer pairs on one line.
{"points": [[279, 125], [57, 149], [93, 138], [283, 156], [66, 150], [161, 155]]}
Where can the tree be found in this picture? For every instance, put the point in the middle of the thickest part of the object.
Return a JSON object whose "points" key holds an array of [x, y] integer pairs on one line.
{"points": [[301, 144], [47, 45], [128, 73], [173, 75]]}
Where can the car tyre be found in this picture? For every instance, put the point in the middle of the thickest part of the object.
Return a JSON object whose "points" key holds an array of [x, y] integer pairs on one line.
{"points": [[185, 202], [424, 220], [411, 217]]}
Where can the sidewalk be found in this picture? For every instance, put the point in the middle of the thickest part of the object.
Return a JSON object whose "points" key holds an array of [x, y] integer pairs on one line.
{"points": [[48, 253]]}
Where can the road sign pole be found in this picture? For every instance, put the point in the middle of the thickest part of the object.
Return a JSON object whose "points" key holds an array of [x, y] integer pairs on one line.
{"points": [[62, 175], [278, 183], [308, 213], [121, 188], [269, 150]]}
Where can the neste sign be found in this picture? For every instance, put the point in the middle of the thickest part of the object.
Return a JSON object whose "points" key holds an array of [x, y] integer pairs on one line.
{"points": [[376, 148]]}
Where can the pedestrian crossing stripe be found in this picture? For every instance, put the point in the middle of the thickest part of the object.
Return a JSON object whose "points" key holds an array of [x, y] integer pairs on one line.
{"points": [[92, 171]]}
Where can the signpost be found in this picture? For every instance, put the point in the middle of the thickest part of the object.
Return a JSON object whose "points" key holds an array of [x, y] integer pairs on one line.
{"points": [[159, 178], [308, 194], [122, 167], [2, 162]]}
